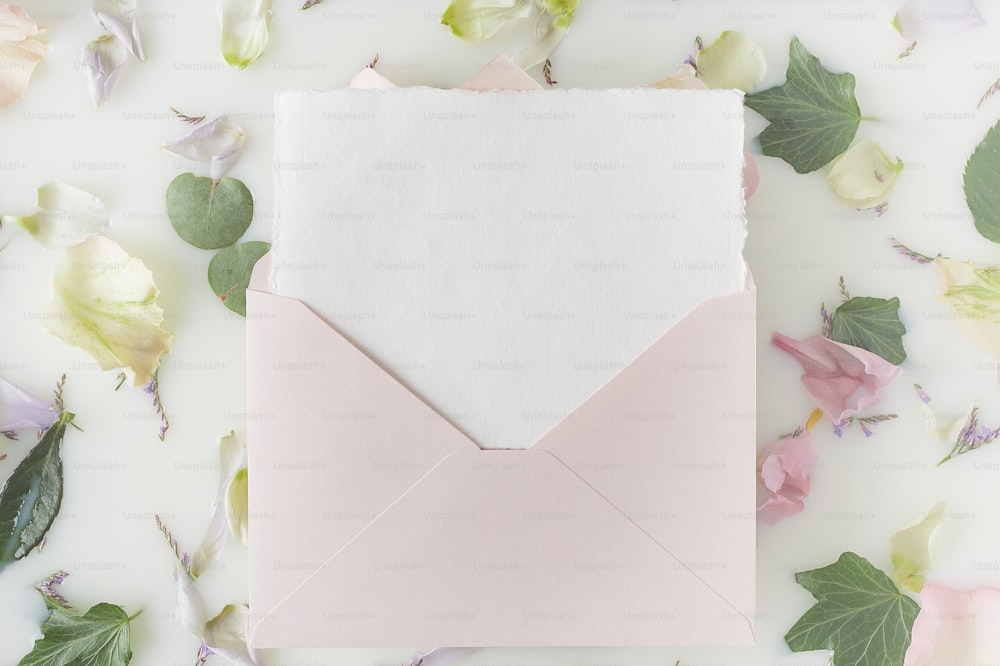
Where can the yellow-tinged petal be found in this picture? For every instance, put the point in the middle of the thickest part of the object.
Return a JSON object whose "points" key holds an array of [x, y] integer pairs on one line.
{"points": [[104, 302], [245, 30], [732, 61], [814, 418], [476, 20], [910, 548], [863, 175], [973, 293], [20, 51], [237, 514]]}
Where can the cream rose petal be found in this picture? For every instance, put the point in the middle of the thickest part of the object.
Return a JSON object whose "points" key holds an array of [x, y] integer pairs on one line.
{"points": [[119, 18], [910, 547], [973, 293], [20, 51], [924, 19], [226, 635], [731, 61], [231, 456], [104, 302], [863, 175], [68, 216], [245, 30], [102, 62], [237, 513], [551, 25]]}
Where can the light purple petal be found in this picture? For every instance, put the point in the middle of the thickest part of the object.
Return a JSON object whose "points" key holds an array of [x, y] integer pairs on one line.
{"points": [[19, 409]]}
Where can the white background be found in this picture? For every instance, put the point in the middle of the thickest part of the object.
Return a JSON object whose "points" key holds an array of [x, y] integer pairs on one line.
{"points": [[801, 240]]}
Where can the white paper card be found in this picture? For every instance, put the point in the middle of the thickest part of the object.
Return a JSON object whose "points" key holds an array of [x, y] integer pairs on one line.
{"points": [[504, 254]]}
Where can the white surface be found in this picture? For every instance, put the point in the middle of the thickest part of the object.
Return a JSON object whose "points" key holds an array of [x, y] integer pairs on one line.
{"points": [[506, 254], [801, 240]]}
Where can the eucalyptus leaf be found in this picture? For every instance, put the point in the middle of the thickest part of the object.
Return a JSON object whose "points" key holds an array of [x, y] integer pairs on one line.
{"points": [[209, 214], [814, 115], [872, 324], [229, 273], [982, 173], [99, 637], [31, 497], [859, 614]]}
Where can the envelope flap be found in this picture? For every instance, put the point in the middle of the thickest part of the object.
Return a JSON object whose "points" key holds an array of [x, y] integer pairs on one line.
{"points": [[324, 422], [644, 436], [552, 564], [501, 73]]}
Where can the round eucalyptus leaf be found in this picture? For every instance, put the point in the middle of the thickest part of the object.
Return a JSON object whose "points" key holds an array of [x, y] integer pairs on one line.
{"points": [[209, 215], [229, 273]]}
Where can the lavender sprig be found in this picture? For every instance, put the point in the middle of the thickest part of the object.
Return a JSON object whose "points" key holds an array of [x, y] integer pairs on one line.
{"points": [[190, 120], [183, 558], [827, 329], [992, 90], [910, 254], [843, 289], [971, 437], [907, 52], [153, 389], [48, 589], [863, 422], [547, 73]]}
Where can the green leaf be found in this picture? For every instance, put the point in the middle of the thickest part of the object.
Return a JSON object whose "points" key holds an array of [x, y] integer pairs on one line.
{"points": [[814, 116], [229, 273], [100, 637], [31, 497], [872, 324], [206, 214], [859, 614], [982, 172]]}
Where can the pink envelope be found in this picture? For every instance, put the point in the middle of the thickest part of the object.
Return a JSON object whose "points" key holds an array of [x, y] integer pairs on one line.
{"points": [[377, 523]]}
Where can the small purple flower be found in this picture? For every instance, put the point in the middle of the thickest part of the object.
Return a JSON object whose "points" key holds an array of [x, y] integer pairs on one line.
{"points": [[839, 428], [865, 429], [922, 393], [19, 409]]}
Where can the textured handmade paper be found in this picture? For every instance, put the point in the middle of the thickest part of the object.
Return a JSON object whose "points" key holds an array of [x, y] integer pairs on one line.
{"points": [[505, 254]]}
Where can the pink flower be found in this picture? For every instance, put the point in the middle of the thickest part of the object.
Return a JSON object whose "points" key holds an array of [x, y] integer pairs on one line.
{"points": [[843, 380], [783, 477], [955, 628]]}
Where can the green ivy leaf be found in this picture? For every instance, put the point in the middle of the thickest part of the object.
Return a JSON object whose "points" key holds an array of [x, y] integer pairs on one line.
{"points": [[859, 614], [229, 273], [99, 637], [31, 497], [814, 116], [982, 173], [206, 214], [872, 324]]}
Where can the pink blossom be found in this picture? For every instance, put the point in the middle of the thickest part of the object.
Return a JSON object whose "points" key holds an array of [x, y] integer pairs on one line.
{"points": [[783, 477], [843, 380], [955, 627]]}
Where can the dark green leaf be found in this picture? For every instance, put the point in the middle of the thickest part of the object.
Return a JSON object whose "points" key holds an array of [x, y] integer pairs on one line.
{"points": [[859, 614], [100, 637], [31, 497], [814, 116], [872, 324], [229, 273], [982, 173], [206, 215]]}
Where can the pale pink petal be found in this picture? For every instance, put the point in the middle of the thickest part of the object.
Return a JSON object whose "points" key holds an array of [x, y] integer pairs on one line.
{"points": [[783, 477], [751, 177], [20, 51], [685, 78], [842, 379], [956, 627]]}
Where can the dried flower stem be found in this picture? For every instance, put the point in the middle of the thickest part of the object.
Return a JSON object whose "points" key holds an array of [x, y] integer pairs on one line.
{"points": [[153, 388], [182, 558], [547, 73], [48, 589], [863, 422], [971, 437], [827, 329], [907, 52], [310, 3], [374, 61], [190, 120], [843, 289]]}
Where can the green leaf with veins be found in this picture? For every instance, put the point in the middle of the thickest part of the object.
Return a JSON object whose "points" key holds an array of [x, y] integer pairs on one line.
{"points": [[99, 637], [32, 495], [859, 614], [814, 115], [229, 273], [206, 214], [872, 324]]}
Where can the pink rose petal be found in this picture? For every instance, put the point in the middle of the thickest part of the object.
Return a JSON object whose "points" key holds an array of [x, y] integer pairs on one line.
{"points": [[843, 380], [20, 51], [783, 477], [956, 627], [751, 177]]}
